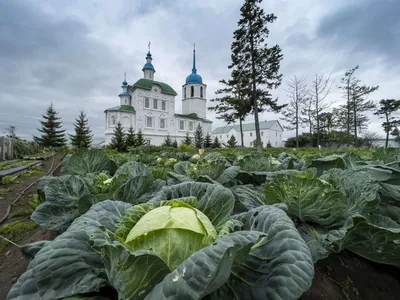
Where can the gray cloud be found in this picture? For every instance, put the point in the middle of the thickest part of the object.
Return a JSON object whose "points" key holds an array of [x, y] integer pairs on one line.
{"points": [[368, 28], [74, 53]]}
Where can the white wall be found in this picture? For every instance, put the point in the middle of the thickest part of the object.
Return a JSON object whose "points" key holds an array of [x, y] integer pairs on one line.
{"points": [[154, 134], [195, 104], [274, 135]]}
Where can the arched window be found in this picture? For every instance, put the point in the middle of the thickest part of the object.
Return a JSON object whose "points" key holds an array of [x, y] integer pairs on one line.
{"points": [[201, 92], [192, 91], [184, 93], [112, 120]]}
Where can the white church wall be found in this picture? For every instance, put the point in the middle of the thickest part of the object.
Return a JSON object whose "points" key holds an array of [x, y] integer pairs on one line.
{"points": [[274, 136]]}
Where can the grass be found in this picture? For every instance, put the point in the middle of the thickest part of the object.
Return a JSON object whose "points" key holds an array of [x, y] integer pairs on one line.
{"points": [[7, 165], [19, 213], [35, 170], [15, 231]]}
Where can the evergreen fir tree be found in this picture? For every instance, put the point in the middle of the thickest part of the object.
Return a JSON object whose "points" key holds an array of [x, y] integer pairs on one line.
{"points": [[140, 141], [175, 144], [167, 141], [216, 143], [52, 134], [118, 140], [198, 137], [130, 138], [232, 142], [83, 137], [187, 140], [207, 141], [257, 63]]}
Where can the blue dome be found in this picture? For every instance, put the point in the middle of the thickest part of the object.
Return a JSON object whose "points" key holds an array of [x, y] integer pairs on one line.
{"points": [[148, 66], [124, 83], [124, 94], [148, 54], [194, 78]]}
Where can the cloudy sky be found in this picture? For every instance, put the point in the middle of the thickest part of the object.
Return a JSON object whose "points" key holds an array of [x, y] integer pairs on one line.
{"points": [[74, 53]]}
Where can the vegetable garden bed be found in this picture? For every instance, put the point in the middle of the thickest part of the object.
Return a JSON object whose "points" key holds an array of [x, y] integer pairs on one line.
{"points": [[238, 226], [18, 168]]}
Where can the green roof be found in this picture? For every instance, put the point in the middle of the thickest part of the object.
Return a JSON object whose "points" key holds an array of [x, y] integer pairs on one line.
{"points": [[246, 127], [124, 108], [193, 116], [147, 85]]}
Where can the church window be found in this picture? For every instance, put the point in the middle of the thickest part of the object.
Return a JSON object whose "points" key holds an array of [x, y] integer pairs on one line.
{"points": [[182, 125], [262, 133], [164, 105], [227, 136], [251, 134], [112, 120], [155, 104], [191, 126], [148, 142], [162, 123], [146, 102], [276, 133], [192, 91], [220, 136], [149, 121], [184, 92], [201, 92]]}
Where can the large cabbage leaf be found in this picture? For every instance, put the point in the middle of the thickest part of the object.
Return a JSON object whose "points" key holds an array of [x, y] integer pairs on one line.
{"points": [[212, 168], [374, 237], [249, 195], [215, 201], [308, 199], [206, 270], [62, 196], [131, 182], [133, 274], [83, 163], [278, 267], [359, 188], [71, 264]]}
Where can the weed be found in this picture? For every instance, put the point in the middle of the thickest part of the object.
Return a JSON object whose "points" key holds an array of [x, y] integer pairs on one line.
{"points": [[21, 213], [35, 201], [15, 231]]}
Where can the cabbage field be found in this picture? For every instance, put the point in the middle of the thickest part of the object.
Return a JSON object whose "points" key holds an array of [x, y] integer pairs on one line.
{"points": [[226, 225]]}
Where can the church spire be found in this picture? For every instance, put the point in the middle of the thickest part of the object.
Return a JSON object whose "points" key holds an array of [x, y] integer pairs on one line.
{"points": [[148, 68], [194, 70]]}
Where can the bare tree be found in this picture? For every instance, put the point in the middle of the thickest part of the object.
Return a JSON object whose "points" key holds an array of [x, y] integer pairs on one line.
{"points": [[298, 96], [320, 89], [369, 138]]}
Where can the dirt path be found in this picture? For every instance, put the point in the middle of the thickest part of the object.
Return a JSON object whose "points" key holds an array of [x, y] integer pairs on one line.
{"points": [[12, 263]]}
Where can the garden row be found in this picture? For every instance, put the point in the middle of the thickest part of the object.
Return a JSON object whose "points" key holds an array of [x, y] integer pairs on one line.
{"points": [[229, 225]]}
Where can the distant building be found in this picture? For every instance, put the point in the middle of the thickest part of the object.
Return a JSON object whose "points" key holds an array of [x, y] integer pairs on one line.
{"points": [[271, 131], [149, 106]]}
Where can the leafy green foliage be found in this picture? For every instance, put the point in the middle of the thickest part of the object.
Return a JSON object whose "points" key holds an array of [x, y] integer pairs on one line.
{"points": [[51, 133], [227, 225], [232, 142], [83, 137], [198, 137], [187, 140], [118, 139], [130, 140]]}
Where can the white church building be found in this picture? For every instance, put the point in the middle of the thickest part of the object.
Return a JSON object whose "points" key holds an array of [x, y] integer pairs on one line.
{"points": [[149, 106], [271, 132]]}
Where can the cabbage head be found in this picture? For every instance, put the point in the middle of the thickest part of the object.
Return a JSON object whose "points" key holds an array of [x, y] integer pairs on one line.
{"points": [[173, 232]]}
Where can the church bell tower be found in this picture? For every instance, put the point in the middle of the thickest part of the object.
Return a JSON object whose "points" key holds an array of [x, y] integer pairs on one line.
{"points": [[194, 93]]}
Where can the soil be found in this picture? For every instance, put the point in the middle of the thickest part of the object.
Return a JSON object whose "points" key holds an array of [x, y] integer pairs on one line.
{"points": [[347, 276], [340, 276], [12, 263]]}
